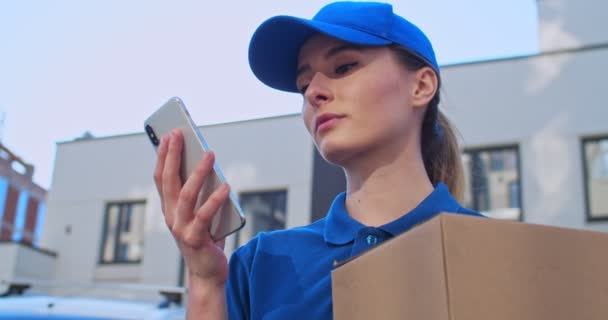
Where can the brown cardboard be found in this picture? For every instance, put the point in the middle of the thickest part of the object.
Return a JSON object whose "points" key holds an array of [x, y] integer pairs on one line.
{"points": [[461, 267]]}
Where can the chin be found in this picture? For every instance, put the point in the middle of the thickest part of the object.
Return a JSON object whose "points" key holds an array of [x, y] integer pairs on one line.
{"points": [[335, 153]]}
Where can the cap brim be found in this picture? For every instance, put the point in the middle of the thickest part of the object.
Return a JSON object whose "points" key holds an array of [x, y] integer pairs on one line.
{"points": [[275, 45]]}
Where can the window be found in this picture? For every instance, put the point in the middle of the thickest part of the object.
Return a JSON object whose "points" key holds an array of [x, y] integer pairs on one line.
{"points": [[265, 211], [492, 183], [123, 233], [595, 161], [3, 195], [19, 225]]}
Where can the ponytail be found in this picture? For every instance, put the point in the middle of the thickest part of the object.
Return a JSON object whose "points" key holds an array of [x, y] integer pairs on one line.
{"points": [[440, 151]]}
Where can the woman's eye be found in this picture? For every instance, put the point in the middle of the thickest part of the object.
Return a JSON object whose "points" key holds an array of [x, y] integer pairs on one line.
{"points": [[342, 69], [303, 89]]}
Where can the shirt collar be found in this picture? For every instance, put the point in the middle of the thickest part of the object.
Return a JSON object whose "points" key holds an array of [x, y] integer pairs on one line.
{"points": [[341, 228]]}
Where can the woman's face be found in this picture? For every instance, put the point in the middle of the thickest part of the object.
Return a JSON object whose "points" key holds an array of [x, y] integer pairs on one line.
{"points": [[357, 99]]}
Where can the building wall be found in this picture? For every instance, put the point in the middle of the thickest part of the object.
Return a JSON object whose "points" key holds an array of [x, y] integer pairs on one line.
{"points": [[570, 23], [24, 262], [21, 213], [8, 253], [22, 200], [88, 174], [266, 154], [545, 104]]}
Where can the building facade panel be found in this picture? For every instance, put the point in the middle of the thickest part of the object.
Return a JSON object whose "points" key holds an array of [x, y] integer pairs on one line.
{"points": [[568, 23], [539, 104]]}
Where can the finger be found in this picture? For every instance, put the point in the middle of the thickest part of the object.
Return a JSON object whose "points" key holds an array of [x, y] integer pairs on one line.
{"points": [[158, 175], [205, 214], [221, 243], [160, 163], [189, 194], [171, 181]]}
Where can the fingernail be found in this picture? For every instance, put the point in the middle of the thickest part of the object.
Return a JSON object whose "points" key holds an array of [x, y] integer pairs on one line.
{"points": [[206, 155]]}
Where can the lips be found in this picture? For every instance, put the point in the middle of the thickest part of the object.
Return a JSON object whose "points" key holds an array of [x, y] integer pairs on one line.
{"points": [[325, 117]]}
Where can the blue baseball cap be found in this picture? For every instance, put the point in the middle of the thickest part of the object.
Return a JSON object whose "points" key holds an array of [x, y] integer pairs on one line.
{"points": [[275, 45]]}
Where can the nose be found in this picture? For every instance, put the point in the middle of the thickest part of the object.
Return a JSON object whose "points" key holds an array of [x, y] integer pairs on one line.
{"points": [[318, 92]]}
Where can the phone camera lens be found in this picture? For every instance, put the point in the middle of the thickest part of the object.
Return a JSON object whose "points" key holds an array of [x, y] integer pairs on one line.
{"points": [[152, 135]]}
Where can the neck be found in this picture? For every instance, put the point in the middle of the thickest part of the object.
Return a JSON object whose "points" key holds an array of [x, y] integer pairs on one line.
{"points": [[383, 186]]}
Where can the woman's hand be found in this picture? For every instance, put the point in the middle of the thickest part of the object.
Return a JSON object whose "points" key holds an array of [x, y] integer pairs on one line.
{"points": [[204, 258]]}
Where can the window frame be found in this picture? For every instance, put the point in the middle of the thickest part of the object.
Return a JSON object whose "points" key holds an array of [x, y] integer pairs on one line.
{"points": [[503, 147], [237, 235], [603, 217], [104, 233]]}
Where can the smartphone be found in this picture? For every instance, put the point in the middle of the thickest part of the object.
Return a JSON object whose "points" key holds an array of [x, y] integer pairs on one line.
{"points": [[173, 114]]}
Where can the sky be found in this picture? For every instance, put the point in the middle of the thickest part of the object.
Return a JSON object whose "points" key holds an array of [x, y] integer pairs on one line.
{"points": [[69, 66]]}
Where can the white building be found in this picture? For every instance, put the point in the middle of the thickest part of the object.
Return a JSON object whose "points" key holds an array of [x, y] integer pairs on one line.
{"points": [[534, 131], [104, 218]]}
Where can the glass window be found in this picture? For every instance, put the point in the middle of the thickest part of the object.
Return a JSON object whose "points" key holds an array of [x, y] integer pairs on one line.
{"points": [[265, 211], [595, 153], [492, 183], [123, 234], [3, 191], [20, 216], [3, 194]]}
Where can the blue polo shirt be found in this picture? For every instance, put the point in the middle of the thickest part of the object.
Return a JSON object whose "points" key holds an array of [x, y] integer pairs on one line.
{"points": [[286, 274]]}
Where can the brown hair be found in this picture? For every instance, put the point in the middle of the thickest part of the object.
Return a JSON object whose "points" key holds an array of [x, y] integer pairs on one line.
{"points": [[439, 145]]}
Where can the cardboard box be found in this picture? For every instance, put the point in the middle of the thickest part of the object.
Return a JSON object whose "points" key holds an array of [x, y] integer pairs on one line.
{"points": [[468, 268]]}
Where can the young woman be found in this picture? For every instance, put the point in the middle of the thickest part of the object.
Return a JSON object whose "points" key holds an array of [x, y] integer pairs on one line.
{"points": [[370, 86]]}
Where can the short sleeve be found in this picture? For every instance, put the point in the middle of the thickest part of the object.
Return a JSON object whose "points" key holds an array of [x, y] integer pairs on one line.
{"points": [[237, 286]]}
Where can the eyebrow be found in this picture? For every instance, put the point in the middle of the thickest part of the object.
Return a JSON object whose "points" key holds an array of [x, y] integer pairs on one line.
{"points": [[330, 53]]}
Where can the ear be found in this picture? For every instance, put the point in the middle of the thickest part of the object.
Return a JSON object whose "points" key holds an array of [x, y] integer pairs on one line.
{"points": [[425, 86]]}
